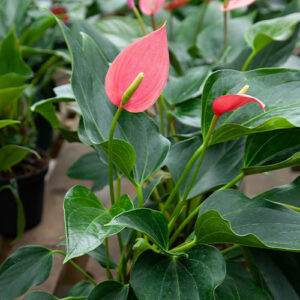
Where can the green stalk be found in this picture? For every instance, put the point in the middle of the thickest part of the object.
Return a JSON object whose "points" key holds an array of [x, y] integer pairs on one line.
{"points": [[140, 20], [93, 282], [225, 251], [248, 61], [161, 114], [140, 196], [184, 223], [108, 272], [201, 151], [200, 22], [232, 182], [184, 247], [225, 32]]}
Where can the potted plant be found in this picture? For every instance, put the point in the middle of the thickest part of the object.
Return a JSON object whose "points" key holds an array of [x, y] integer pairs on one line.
{"points": [[191, 233]]}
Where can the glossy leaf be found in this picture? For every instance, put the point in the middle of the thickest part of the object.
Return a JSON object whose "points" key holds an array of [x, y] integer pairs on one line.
{"points": [[11, 155], [221, 164], [286, 194], [123, 155], [262, 147], [278, 29], [145, 56], [4, 123], [100, 256], [85, 219], [80, 289], [239, 284], [109, 290], [277, 88], [228, 216], [280, 272], [150, 222], [180, 89], [155, 276], [26, 267], [38, 295]]}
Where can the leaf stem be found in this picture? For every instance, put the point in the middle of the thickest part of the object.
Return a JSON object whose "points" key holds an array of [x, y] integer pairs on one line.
{"points": [[161, 115], [140, 196], [200, 22], [248, 61], [108, 272], [232, 182], [85, 274], [185, 246], [140, 20], [225, 251]]}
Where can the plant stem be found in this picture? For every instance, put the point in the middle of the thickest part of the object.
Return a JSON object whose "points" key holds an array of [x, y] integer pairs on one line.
{"points": [[203, 148], [248, 61], [161, 114], [184, 223], [108, 273], [118, 188], [200, 22], [140, 196], [140, 20], [76, 266], [153, 22], [184, 247], [232, 182], [225, 32], [225, 251]]}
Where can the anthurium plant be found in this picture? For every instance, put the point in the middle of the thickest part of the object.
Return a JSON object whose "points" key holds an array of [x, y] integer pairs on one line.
{"points": [[184, 118]]}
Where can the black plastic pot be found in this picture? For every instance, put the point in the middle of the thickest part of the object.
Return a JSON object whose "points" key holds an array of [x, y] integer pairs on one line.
{"points": [[31, 192]]}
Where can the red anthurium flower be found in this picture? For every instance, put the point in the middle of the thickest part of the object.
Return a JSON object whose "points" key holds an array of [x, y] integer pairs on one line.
{"points": [[229, 103], [148, 55], [234, 4], [175, 3], [61, 12], [150, 7], [131, 4]]}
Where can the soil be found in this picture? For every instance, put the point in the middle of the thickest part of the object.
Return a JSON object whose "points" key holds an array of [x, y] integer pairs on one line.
{"points": [[29, 166]]}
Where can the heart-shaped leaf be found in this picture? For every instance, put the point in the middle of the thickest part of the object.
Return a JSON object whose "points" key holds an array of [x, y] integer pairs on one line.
{"points": [[27, 267], [228, 216], [160, 277], [80, 289], [85, 219], [150, 222], [109, 290], [278, 88]]}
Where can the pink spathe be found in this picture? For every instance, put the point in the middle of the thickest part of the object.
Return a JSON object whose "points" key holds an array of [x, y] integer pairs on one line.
{"points": [[131, 4], [148, 55], [235, 4], [150, 7], [229, 103]]}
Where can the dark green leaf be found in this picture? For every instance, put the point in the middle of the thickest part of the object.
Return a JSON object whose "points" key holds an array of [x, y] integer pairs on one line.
{"points": [[9, 97], [123, 155], [228, 216], [280, 271], [150, 222], [37, 295], [27, 267], [82, 288], [278, 88], [100, 256], [239, 285], [159, 277], [4, 123], [180, 89], [11, 155], [109, 290], [85, 219]]}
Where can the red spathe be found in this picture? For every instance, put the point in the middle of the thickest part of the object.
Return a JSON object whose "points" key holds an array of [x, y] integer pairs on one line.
{"points": [[229, 103], [148, 55]]}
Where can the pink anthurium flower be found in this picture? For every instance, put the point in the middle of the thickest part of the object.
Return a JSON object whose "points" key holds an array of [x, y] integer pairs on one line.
{"points": [[229, 103], [150, 7], [148, 55], [61, 12], [131, 4], [175, 3], [235, 4]]}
